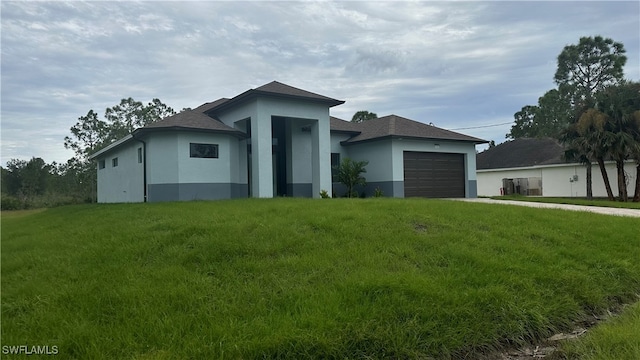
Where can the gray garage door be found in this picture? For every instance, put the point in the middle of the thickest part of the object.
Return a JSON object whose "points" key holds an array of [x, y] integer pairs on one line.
{"points": [[433, 175]]}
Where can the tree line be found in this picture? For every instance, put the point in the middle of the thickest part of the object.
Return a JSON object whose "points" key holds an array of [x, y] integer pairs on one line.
{"points": [[34, 183], [594, 111]]}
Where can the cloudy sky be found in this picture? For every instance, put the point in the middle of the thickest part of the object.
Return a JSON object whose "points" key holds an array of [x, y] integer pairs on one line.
{"points": [[459, 65]]}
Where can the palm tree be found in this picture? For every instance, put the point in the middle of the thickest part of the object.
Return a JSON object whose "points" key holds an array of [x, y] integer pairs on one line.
{"points": [[350, 174], [590, 130], [617, 106], [578, 148], [635, 152]]}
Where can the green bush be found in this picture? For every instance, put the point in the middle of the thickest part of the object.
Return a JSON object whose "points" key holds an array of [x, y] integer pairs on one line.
{"points": [[350, 174], [47, 200], [10, 203]]}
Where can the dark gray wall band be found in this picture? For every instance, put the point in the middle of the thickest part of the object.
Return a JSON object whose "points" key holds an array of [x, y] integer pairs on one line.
{"points": [[196, 191]]}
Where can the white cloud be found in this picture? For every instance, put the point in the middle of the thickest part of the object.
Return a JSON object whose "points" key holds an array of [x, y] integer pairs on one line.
{"points": [[454, 63]]}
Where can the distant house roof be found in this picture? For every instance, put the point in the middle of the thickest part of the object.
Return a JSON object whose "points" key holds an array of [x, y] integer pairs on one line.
{"points": [[397, 126], [276, 89], [190, 119], [524, 152]]}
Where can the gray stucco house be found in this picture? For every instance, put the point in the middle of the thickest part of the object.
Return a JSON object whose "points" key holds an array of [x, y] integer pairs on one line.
{"points": [[277, 140]]}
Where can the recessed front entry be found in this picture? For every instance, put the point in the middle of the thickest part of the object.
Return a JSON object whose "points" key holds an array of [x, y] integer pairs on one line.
{"points": [[434, 175], [279, 151]]}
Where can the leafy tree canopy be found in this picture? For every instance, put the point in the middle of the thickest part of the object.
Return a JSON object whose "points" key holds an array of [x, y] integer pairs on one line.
{"points": [[91, 134], [363, 115], [591, 65], [547, 119]]}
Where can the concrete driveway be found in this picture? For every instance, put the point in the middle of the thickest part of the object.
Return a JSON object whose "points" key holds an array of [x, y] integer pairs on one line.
{"points": [[593, 209]]}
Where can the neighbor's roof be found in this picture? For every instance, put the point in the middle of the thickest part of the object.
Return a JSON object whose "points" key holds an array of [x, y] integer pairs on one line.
{"points": [[524, 152], [397, 126], [276, 89], [190, 119]]}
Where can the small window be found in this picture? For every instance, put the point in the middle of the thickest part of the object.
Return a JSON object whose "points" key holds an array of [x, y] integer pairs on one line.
{"points": [[335, 162], [139, 155], [114, 162], [209, 151], [101, 164]]}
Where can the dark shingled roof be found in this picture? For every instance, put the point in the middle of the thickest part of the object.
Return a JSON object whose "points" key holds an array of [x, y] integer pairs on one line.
{"points": [[191, 119], [396, 126], [339, 125], [277, 89], [210, 105], [524, 152]]}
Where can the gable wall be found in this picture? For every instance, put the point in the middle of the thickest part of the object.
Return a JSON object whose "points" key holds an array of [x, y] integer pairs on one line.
{"points": [[173, 175], [123, 183]]}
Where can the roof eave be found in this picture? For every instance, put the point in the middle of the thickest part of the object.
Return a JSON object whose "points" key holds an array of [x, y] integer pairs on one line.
{"points": [[237, 133], [250, 94], [349, 132], [111, 146], [351, 142]]}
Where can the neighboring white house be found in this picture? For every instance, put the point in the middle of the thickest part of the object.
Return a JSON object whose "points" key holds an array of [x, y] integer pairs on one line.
{"points": [[277, 140], [536, 167]]}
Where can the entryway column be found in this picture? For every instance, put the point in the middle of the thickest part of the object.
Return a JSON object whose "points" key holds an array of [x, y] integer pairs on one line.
{"points": [[261, 157], [320, 157]]}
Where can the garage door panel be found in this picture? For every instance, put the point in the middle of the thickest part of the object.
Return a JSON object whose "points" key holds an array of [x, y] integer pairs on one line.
{"points": [[434, 175]]}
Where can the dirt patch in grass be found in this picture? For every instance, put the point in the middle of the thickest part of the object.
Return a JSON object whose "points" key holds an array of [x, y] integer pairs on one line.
{"points": [[549, 347]]}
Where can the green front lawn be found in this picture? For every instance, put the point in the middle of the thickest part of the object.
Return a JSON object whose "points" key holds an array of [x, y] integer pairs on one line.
{"points": [[303, 278]]}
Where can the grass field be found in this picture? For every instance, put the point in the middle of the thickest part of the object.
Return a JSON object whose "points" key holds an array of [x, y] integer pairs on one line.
{"points": [[574, 201], [302, 278]]}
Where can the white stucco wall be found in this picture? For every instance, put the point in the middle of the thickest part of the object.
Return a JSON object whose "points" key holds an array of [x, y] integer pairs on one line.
{"points": [[336, 147], [205, 170], [299, 154], [169, 161], [555, 179], [379, 155], [123, 183], [162, 158]]}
